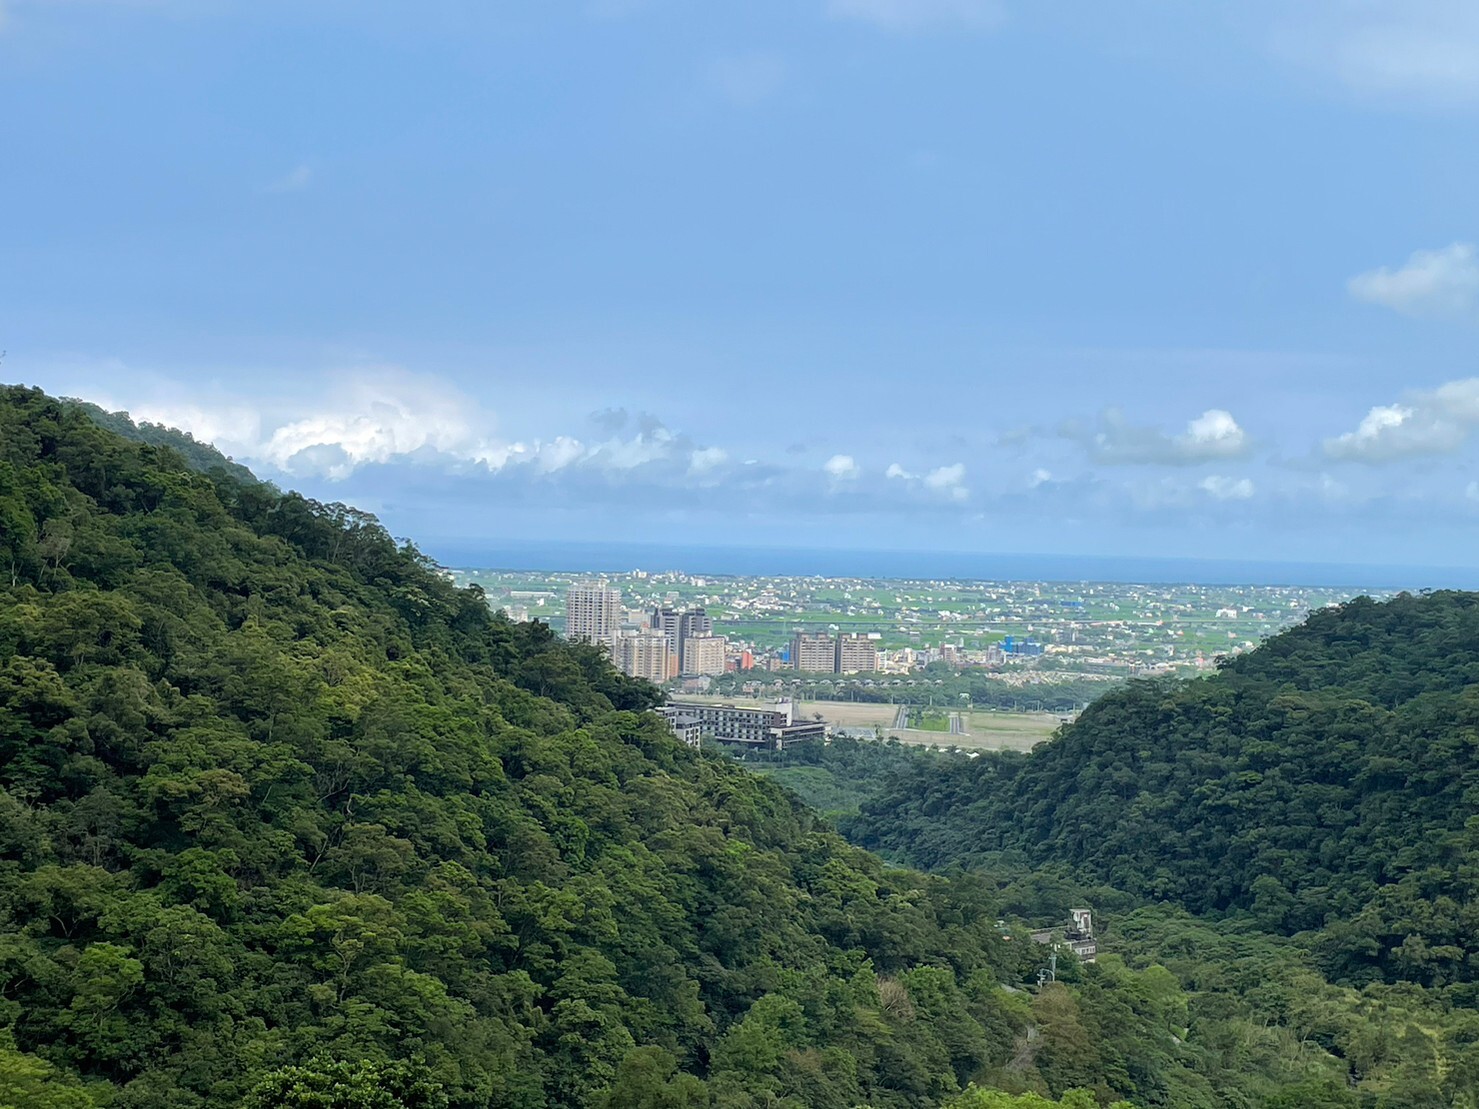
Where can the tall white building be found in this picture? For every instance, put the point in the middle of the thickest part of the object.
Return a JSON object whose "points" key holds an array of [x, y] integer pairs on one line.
{"points": [[593, 613]]}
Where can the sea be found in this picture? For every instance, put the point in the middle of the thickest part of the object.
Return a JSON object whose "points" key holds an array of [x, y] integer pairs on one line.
{"points": [[575, 557]]}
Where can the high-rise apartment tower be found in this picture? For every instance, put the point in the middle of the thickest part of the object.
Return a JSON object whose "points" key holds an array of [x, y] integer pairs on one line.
{"points": [[644, 655], [680, 627], [704, 654], [814, 653], [593, 613], [855, 653]]}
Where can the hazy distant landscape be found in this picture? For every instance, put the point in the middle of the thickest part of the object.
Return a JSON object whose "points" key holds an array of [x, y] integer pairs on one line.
{"points": [[1089, 630]]}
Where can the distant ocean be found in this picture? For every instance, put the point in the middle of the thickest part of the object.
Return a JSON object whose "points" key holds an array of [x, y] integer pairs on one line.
{"points": [[805, 562]]}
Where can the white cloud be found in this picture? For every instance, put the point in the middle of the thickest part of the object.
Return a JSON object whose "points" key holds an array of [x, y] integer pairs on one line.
{"points": [[1210, 437], [747, 79], [841, 467], [1432, 283], [918, 15], [378, 416], [1425, 51], [557, 454], [375, 417], [1226, 488], [1378, 434], [1214, 433], [948, 481], [1039, 477], [707, 458], [1436, 421], [294, 181]]}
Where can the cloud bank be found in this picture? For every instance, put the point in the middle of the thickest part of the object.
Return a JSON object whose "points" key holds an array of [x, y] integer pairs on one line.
{"points": [[437, 436], [406, 443], [1213, 436], [380, 416]]}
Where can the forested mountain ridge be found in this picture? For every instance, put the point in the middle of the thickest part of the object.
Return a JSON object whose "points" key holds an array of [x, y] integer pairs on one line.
{"points": [[1325, 783], [286, 819], [203, 457]]}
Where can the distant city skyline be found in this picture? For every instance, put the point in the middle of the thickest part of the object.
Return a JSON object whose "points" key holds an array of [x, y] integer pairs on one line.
{"points": [[1144, 280]]}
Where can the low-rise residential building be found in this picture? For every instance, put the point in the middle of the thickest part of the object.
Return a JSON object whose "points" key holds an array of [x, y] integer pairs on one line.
{"points": [[771, 727], [1078, 936], [687, 730]]}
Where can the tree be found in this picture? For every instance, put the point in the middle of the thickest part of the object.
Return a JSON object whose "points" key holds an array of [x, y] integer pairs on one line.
{"points": [[648, 1079], [342, 1084]]}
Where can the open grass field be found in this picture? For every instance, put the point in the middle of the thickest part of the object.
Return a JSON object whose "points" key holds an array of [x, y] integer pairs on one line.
{"points": [[932, 722], [985, 731], [851, 714], [1016, 731]]}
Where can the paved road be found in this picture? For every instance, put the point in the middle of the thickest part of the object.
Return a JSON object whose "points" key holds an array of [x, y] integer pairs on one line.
{"points": [[901, 718], [957, 725]]}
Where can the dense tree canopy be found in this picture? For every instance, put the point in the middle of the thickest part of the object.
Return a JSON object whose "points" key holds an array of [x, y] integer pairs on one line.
{"points": [[287, 820], [1293, 838], [1326, 781]]}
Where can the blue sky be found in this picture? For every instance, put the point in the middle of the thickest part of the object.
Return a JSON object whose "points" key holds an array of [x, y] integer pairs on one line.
{"points": [[1138, 278]]}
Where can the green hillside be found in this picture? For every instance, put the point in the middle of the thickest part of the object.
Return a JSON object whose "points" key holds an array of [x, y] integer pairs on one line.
{"points": [[288, 820], [1293, 838], [1328, 780]]}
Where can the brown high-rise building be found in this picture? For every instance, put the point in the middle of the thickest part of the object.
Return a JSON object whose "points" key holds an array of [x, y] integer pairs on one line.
{"points": [[813, 653], [704, 654], [855, 653], [644, 655]]}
